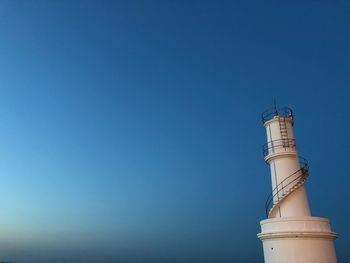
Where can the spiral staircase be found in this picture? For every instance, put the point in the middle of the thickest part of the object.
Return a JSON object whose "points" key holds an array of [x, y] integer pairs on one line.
{"points": [[285, 188]]}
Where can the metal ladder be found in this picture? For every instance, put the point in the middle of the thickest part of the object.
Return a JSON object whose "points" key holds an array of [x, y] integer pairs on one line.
{"points": [[283, 130]]}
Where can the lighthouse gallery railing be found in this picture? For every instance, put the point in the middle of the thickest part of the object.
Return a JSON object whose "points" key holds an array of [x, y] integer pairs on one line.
{"points": [[284, 112], [272, 146]]}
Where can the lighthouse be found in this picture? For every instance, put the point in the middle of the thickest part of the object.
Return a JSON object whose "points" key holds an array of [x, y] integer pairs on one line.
{"points": [[290, 234]]}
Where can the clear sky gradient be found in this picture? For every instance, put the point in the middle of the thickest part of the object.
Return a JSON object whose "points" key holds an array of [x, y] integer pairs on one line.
{"points": [[130, 131]]}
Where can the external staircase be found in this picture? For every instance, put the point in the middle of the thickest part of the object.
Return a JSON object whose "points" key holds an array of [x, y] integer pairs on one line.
{"points": [[287, 187]]}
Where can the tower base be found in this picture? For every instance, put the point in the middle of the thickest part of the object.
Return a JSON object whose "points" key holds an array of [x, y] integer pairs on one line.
{"points": [[297, 240]]}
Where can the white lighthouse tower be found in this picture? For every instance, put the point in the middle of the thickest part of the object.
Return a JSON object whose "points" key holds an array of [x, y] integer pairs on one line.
{"points": [[290, 234]]}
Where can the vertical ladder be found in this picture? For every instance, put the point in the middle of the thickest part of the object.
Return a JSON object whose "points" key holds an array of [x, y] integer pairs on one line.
{"points": [[283, 130]]}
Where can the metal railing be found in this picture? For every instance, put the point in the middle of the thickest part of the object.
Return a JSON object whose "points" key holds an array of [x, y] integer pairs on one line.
{"points": [[269, 114], [273, 146], [287, 186]]}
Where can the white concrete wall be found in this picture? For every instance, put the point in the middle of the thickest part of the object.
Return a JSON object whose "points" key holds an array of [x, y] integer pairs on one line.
{"points": [[298, 240], [299, 250]]}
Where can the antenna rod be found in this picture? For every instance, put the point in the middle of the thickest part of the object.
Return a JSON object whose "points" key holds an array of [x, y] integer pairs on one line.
{"points": [[274, 105]]}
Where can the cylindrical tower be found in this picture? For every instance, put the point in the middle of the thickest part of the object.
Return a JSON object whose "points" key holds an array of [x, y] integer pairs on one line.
{"points": [[290, 234]]}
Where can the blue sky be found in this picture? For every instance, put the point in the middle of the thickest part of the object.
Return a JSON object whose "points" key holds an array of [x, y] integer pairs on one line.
{"points": [[130, 130]]}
